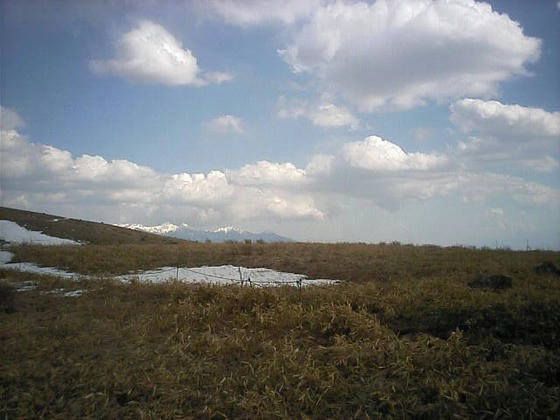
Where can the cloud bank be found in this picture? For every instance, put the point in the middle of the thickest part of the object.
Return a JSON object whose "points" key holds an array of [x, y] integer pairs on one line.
{"points": [[373, 170]]}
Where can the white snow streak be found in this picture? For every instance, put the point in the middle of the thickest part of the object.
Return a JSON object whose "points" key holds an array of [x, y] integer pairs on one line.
{"points": [[16, 234]]}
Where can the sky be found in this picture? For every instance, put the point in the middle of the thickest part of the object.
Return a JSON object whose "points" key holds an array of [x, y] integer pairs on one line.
{"points": [[419, 121]]}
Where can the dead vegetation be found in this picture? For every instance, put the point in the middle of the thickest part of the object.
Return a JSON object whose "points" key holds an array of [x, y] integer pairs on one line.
{"points": [[408, 338], [404, 336]]}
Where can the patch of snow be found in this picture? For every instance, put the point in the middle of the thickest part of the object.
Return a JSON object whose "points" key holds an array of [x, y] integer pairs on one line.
{"points": [[13, 233], [224, 274], [26, 286], [74, 293], [6, 257], [64, 293]]}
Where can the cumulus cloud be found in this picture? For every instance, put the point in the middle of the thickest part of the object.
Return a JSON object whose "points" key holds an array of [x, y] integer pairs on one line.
{"points": [[148, 53], [199, 189], [9, 119], [257, 12], [323, 114], [495, 118], [268, 173], [372, 170], [527, 137], [42, 176], [225, 124], [377, 154], [399, 54]]}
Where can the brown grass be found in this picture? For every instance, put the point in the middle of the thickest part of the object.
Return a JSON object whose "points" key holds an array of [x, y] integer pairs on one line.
{"points": [[410, 341], [350, 262], [404, 337]]}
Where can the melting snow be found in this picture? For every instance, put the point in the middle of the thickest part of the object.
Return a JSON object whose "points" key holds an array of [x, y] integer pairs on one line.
{"points": [[64, 292], [14, 233], [6, 257], [225, 274]]}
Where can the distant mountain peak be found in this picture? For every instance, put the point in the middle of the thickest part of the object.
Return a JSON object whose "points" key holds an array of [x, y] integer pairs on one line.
{"points": [[221, 234], [227, 229], [162, 229]]}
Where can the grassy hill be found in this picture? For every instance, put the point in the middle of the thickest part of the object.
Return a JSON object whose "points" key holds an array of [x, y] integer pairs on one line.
{"points": [[80, 230], [405, 336]]}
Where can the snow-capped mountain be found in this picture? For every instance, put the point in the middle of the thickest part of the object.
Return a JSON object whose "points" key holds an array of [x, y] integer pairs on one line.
{"points": [[222, 234], [163, 229]]}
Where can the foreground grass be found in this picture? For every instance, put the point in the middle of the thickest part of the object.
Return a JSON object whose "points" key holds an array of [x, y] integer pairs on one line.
{"points": [[408, 343]]}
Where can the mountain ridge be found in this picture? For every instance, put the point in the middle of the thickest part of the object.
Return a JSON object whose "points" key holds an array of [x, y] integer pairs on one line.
{"points": [[221, 234]]}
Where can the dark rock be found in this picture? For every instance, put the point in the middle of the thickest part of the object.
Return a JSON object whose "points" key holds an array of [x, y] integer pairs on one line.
{"points": [[494, 281], [547, 268]]}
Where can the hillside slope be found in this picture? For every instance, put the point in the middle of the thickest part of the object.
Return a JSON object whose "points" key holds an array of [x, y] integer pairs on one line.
{"points": [[81, 230]]}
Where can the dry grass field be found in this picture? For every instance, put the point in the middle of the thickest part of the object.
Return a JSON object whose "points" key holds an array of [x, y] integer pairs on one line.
{"points": [[403, 337]]}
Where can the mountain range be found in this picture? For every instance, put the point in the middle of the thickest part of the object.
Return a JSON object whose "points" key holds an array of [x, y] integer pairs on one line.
{"points": [[223, 234]]}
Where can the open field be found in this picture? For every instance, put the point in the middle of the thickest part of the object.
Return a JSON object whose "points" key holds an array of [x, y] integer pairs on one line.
{"points": [[406, 338], [403, 336]]}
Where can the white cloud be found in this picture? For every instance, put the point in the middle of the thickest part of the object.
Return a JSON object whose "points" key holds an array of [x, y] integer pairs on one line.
{"points": [[324, 114], [217, 77], [373, 171], [198, 189], [400, 54], [495, 118], [148, 53], [545, 164], [225, 124], [330, 115], [257, 12], [293, 210], [377, 154], [527, 137], [268, 173], [43, 176], [479, 187], [320, 165], [9, 119]]}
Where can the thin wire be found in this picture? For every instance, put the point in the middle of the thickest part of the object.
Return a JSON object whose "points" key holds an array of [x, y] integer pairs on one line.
{"points": [[212, 275]]}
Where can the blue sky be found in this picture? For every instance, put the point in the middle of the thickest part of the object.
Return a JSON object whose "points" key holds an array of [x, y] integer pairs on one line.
{"points": [[419, 121]]}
